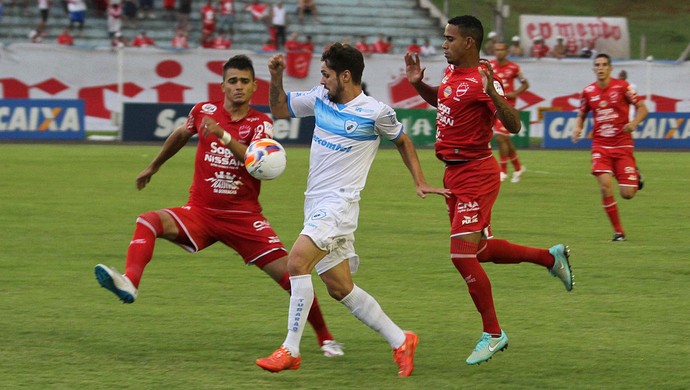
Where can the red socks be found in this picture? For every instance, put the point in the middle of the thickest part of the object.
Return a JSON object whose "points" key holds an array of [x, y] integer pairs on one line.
{"points": [[149, 226], [503, 252], [515, 160], [463, 254], [611, 208], [315, 317]]}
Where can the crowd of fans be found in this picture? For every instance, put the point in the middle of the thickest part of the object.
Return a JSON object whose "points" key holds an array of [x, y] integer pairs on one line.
{"points": [[215, 23], [564, 47]]}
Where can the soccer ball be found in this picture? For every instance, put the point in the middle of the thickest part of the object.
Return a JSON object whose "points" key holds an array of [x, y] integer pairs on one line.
{"points": [[265, 159]]}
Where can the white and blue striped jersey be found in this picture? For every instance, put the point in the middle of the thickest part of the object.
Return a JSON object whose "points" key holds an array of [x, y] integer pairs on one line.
{"points": [[345, 140]]}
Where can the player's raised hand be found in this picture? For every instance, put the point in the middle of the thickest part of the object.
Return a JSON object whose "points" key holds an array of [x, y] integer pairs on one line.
{"points": [[487, 73], [276, 64], [210, 126], [413, 68]]}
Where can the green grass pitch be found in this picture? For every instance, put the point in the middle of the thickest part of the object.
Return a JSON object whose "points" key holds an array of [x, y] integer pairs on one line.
{"points": [[201, 320]]}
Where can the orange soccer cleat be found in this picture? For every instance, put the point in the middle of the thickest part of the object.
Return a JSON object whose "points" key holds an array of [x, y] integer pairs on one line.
{"points": [[279, 360], [404, 355]]}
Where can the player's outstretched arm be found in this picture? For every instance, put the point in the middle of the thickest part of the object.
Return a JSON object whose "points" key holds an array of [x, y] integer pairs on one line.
{"points": [[277, 95], [409, 156], [172, 145]]}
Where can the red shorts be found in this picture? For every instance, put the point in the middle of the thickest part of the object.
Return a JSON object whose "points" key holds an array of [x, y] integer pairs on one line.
{"points": [[500, 129], [474, 186], [620, 162], [249, 234]]}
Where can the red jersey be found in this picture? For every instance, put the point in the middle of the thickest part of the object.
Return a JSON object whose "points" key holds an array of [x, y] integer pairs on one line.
{"points": [[610, 108], [363, 47], [221, 181], [507, 73], [465, 116], [227, 7], [381, 47], [65, 39]]}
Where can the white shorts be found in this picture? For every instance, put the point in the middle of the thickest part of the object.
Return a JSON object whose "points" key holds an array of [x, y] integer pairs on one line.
{"points": [[331, 225]]}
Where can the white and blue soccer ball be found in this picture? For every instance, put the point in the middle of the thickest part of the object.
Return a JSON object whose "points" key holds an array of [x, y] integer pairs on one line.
{"points": [[265, 159]]}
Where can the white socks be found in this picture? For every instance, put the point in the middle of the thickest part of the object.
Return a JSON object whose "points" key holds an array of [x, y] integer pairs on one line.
{"points": [[301, 299], [366, 309]]}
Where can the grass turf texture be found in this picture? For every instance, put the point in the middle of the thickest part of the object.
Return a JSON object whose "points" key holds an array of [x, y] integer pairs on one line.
{"points": [[201, 320]]}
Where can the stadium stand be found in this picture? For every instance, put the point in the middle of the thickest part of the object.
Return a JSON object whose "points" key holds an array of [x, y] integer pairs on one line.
{"points": [[400, 19]]}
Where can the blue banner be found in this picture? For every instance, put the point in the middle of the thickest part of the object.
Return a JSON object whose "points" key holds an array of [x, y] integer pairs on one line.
{"points": [[660, 130], [156, 121], [42, 119]]}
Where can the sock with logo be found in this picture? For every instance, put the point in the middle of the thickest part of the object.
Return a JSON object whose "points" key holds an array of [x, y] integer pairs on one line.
{"points": [[315, 317], [504, 252], [140, 251], [464, 257], [301, 299], [366, 309], [515, 160], [611, 209]]}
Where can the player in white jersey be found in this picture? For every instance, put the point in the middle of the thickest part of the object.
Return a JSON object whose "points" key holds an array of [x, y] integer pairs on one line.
{"points": [[346, 138]]}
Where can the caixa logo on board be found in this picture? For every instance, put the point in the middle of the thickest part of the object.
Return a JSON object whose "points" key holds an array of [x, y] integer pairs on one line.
{"points": [[658, 130], [41, 119]]}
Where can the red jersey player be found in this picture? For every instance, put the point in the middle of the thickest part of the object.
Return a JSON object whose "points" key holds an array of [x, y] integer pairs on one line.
{"points": [[468, 100], [508, 71], [223, 203], [609, 101]]}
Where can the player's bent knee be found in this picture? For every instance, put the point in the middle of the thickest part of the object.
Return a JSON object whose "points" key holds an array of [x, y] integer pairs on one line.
{"points": [[153, 221]]}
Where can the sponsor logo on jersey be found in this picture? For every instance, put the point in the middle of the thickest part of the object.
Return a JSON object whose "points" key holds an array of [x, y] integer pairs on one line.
{"points": [[447, 91], [224, 183], [331, 145], [470, 220], [261, 225]]}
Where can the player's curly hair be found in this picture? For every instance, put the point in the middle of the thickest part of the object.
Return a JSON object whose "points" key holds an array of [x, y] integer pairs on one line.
{"points": [[241, 62], [341, 57]]}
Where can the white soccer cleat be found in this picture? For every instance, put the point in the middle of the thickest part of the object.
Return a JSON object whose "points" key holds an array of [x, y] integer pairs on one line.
{"points": [[118, 284], [504, 176], [332, 348], [517, 175]]}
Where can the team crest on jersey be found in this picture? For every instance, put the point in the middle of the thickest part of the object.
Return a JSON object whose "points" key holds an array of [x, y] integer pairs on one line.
{"points": [[447, 91], [208, 108], [350, 126], [462, 89], [603, 103], [244, 131], [319, 214]]}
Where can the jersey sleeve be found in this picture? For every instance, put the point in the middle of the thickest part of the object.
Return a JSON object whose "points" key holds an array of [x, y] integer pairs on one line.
{"points": [[631, 94], [387, 124], [584, 106], [301, 104], [264, 129], [191, 120]]}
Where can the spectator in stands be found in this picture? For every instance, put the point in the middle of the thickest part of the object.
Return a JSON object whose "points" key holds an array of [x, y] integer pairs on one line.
{"points": [[222, 41], [571, 49], [77, 14], [427, 48], [11, 4], [43, 10], [35, 36], [413, 47], [184, 10], [118, 42], [515, 49], [489, 45], [559, 49], [307, 7], [589, 51], [143, 40], [293, 43], [279, 23], [129, 13], [65, 37], [539, 48], [146, 9], [363, 46], [226, 22], [169, 9], [208, 17], [100, 7], [180, 40], [308, 44], [382, 44], [114, 19], [269, 46], [207, 39], [260, 12]]}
